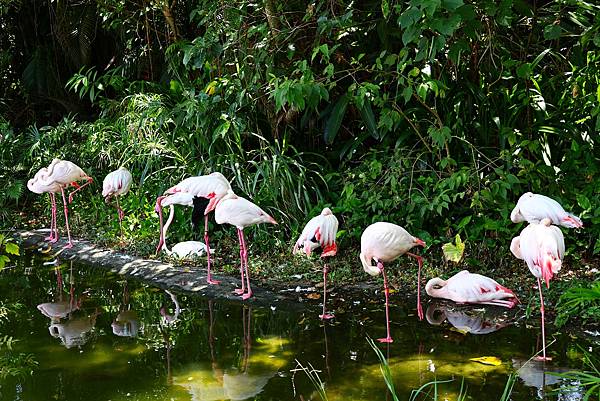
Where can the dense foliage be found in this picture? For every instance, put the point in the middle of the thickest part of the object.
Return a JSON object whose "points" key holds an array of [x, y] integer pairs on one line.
{"points": [[435, 114]]}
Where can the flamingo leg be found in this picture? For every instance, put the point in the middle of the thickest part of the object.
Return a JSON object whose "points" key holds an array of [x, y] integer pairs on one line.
{"points": [[386, 289], [543, 358], [242, 290], [420, 262], [66, 209], [248, 294], [88, 182], [53, 237], [325, 315], [208, 278], [54, 218], [121, 215]]}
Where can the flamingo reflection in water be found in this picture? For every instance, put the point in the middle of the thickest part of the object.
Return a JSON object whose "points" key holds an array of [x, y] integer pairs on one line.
{"points": [[466, 320], [126, 323]]}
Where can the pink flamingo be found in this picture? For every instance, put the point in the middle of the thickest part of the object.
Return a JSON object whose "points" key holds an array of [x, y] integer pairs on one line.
{"points": [[320, 231], [194, 192], [535, 207], [384, 242], [241, 213], [64, 173], [542, 247], [36, 186], [465, 287], [117, 183]]}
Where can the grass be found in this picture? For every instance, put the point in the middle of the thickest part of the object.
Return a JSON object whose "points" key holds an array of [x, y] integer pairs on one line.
{"points": [[589, 378]]}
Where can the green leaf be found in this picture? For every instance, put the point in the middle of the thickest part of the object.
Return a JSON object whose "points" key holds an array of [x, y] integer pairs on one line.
{"points": [[552, 32], [335, 119], [3, 260], [409, 17], [366, 112], [410, 34], [430, 6], [385, 8], [12, 248], [524, 70], [452, 5], [584, 202], [454, 252], [407, 93]]}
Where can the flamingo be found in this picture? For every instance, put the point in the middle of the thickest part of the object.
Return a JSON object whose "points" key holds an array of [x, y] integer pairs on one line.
{"points": [[535, 207], [320, 231], [117, 183], [465, 287], [193, 192], [182, 249], [241, 213], [64, 173], [36, 186], [542, 247], [384, 242]]}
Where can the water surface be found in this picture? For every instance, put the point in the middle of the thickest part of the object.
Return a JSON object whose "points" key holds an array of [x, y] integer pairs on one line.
{"points": [[97, 336]]}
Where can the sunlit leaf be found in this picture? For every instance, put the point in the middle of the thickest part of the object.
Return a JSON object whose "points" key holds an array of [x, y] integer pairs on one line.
{"points": [[12, 248], [454, 252]]}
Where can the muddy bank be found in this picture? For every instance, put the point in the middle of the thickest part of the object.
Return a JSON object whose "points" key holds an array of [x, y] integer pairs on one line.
{"points": [[291, 296]]}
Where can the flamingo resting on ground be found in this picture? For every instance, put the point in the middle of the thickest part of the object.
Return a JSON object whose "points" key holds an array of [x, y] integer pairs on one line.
{"points": [[117, 183], [384, 242], [63, 173], [542, 247], [320, 232], [194, 192], [241, 213], [535, 207], [470, 288], [182, 249]]}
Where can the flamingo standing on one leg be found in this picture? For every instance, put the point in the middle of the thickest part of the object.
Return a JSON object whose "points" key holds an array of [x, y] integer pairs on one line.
{"points": [[35, 185], [197, 191], [542, 247], [64, 173], [241, 213], [117, 183], [465, 287], [384, 242], [535, 207], [320, 232]]}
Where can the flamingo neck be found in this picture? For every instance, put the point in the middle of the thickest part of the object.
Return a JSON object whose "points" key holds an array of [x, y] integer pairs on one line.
{"points": [[166, 227], [367, 266], [432, 291], [430, 315]]}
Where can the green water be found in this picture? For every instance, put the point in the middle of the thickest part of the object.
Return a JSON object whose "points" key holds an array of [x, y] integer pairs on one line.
{"points": [[182, 347]]}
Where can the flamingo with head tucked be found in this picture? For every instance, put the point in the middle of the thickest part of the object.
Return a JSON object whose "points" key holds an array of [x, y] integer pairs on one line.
{"points": [[542, 247], [535, 207], [384, 242], [36, 186], [320, 231], [241, 213], [465, 287], [117, 183], [201, 192]]}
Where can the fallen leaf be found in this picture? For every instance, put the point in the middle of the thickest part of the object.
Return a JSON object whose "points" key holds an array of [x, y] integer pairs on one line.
{"points": [[314, 295], [487, 360]]}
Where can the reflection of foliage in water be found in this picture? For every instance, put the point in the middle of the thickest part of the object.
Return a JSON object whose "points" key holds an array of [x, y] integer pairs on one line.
{"points": [[12, 363]]}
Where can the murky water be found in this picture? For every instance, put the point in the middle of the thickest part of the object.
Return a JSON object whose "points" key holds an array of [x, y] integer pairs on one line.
{"points": [[88, 335]]}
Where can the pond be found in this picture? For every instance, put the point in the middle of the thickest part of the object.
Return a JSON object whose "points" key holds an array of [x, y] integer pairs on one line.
{"points": [[90, 335]]}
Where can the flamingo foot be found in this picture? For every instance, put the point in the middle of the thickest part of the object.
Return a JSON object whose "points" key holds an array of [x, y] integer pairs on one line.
{"points": [[68, 246], [239, 291], [246, 295], [211, 281], [385, 340], [49, 238], [326, 316], [54, 240], [543, 359]]}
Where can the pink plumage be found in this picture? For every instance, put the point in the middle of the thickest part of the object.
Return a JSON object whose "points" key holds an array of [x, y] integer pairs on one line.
{"points": [[465, 287], [320, 231], [535, 207], [384, 242], [241, 213]]}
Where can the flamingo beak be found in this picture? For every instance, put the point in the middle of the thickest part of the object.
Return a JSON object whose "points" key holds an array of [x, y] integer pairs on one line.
{"points": [[420, 242]]}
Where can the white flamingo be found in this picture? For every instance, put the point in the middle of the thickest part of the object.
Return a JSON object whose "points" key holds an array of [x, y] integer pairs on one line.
{"points": [[117, 183], [192, 192], [535, 207], [465, 287], [384, 242], [320, 231], [241, 213], [542, 247], [36, 186]]}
